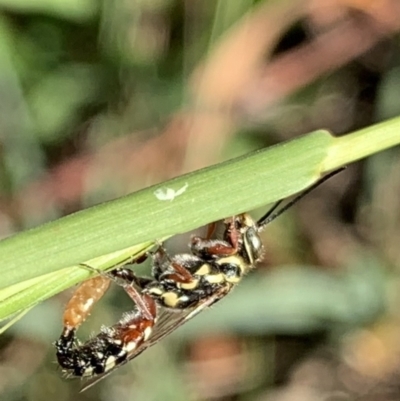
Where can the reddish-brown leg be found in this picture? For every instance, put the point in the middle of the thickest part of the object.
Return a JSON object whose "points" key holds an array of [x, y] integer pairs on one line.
{"points": [[232, 233], [226, 247], [178, 274], [211, 230]]}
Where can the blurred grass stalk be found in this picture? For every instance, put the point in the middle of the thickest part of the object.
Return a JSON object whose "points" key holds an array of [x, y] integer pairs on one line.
{"points": [[43, 261]]}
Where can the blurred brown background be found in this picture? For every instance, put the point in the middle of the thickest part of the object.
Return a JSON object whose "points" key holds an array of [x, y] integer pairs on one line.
{"points": [[99, 98]]}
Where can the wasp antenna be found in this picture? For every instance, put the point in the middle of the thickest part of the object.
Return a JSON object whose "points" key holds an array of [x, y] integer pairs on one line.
{"points": [[272, 214], [268, 214]]}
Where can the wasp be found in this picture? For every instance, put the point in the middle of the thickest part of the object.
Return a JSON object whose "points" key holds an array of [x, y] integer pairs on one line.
{"points": [[186, 283]]}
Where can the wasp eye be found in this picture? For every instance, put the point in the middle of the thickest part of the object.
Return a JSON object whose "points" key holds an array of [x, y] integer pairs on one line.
{"points": [[253, 244]]}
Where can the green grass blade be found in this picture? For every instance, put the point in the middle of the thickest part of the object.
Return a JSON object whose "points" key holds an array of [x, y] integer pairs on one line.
{"points": [[211, 194], [200, 197], [363, 143], [17, 297]]}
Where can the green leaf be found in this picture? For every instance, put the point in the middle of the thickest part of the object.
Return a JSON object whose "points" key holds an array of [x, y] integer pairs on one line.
{"points": [[176, 206], [17, 297]]}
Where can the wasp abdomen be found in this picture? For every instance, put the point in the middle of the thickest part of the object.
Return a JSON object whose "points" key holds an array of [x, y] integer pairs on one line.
{"points": [[111, 347]]}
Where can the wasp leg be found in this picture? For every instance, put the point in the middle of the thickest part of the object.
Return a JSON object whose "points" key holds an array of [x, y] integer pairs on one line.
{"points": [[142, 303], [113, 346], [214, 248], [211, 230], [170, 269], [129, 281], [125, 278], [232, 233], [211, 249]]}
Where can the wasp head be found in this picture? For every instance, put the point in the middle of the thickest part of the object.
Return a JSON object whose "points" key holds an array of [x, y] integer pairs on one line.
{"points": [[246, 233]]}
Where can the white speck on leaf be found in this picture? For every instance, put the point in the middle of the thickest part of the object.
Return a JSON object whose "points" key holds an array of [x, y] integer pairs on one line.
{"points": [[169, 194]]}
